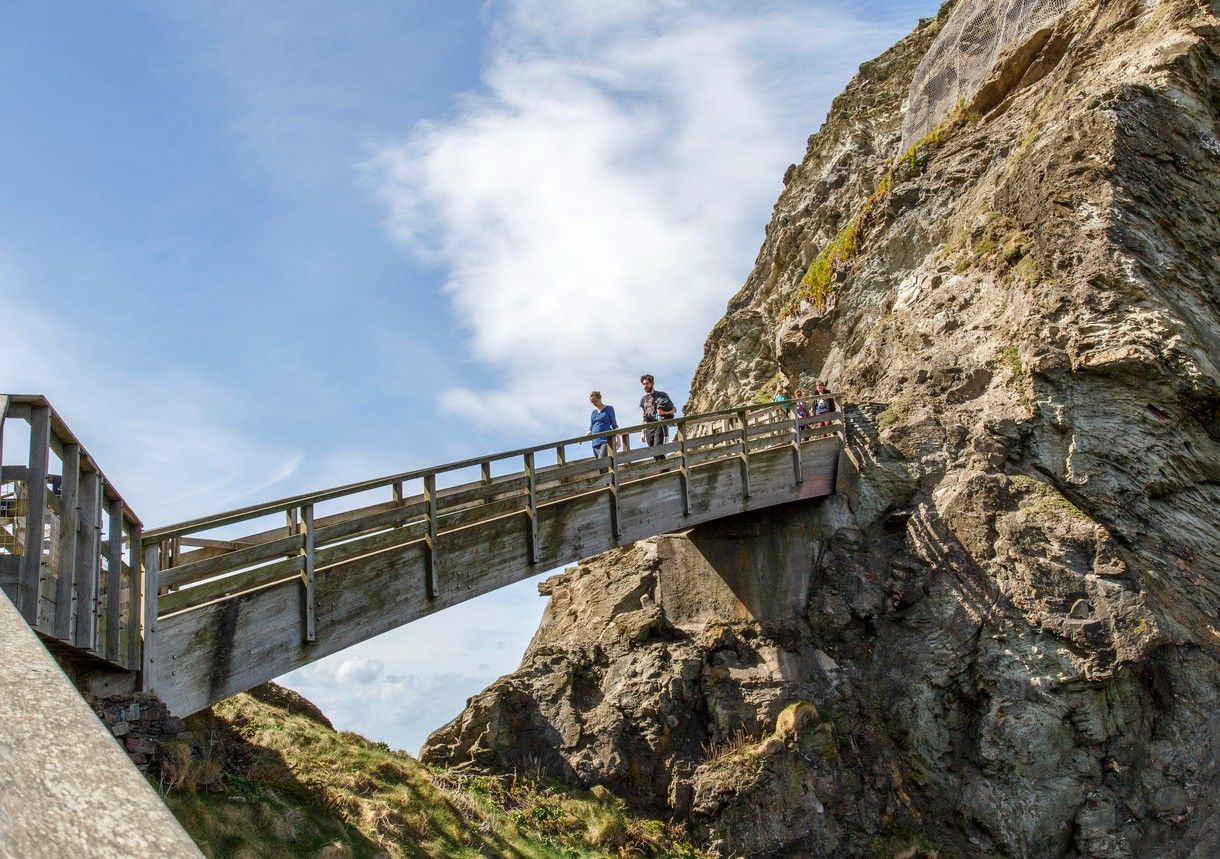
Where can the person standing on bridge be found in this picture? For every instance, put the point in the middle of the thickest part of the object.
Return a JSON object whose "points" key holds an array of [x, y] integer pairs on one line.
{"points": [[602, 420], [823, 403], [656, 406]]}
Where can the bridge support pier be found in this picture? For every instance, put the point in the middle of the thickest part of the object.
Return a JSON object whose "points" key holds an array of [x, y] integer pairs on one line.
{"points": [[753, 566]]}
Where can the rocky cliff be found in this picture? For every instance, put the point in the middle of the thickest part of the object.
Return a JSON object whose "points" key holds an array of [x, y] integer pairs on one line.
{"points": [[1006, 640]]}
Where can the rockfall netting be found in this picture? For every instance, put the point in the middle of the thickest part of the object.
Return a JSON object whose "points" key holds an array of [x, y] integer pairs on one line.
{"points": [[963, 54]]}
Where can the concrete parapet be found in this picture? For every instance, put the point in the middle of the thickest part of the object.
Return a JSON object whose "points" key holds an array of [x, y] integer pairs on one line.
{"points": [[66, 787]]}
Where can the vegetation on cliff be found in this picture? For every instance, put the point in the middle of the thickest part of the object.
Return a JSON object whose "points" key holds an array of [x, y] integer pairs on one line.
{"points": [[265, 774]]}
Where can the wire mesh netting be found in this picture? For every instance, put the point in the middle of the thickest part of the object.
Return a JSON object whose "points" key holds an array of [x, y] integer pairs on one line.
{"points": [[962, 56]]}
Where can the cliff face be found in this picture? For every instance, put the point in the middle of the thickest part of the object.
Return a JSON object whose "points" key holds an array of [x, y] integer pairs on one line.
{"points": [[1009, 638]]}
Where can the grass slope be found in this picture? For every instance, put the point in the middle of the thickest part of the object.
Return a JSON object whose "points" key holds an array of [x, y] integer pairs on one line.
{"points": [[270, 777]]}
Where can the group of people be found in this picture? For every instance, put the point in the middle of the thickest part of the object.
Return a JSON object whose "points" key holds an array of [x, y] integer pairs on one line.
{"points": [[823, 403], [656, 406]]}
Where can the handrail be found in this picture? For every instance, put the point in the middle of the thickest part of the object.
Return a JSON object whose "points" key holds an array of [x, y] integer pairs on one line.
{"points": [[283, 505], [222, 570]]}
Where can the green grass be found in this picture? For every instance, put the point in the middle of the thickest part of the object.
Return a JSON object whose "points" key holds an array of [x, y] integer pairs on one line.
{"points": [[1012, 359], [1042, 501], [818, 282], [894, 413], [292, 786]]}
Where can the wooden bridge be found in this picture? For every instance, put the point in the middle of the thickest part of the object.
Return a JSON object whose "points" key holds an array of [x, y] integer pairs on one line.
{"points": [[211, 607]]}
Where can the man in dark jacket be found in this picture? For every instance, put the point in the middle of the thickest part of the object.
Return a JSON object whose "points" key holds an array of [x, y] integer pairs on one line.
{"points": [[656, 406]]}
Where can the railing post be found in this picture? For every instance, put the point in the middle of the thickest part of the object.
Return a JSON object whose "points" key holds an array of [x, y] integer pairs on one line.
{"points": [[152, 566], [485, 472], [135, 597], [745, 455], [307, 575], [431, 575], [397, 490], [615, 530], [114, 578], [88, 558], [561, 455], [532, 510], [798, 472], [684, 469], [3, 416], [69, 535], [29, 586]]}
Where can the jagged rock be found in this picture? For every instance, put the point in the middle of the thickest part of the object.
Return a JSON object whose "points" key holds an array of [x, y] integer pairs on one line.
{"points": [[1019, 594]]}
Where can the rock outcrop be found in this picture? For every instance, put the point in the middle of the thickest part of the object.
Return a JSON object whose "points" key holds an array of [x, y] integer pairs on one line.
{"points": [[1009, 640]]}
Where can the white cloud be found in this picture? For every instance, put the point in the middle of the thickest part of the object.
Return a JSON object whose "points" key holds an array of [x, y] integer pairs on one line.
{"points": [[359, 670], [596, 205]]}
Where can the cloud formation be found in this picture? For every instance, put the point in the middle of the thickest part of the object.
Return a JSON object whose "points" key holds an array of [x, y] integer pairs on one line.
{"points": [[596, 204]]}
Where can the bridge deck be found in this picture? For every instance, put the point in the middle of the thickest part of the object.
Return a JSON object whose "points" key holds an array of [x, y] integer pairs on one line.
{"points": [[221, 614]]}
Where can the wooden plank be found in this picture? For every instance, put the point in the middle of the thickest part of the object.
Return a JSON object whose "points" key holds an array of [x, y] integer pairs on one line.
{"points": [[69, 537], [745, 454], [3, 416], [615, 530], [450, 520], [732, 436], [684, 472], [392, 518], [482, 492], [206, 569], [206, 543], [287, 570], [798, 473], [577, 470], [432, 562], [88, 560], [307, 576], [148, 622], [329, 556], [645, 453], [597, 480], [11, 473], [30, 585], [114, 578], [531, 514], [135, 598]]}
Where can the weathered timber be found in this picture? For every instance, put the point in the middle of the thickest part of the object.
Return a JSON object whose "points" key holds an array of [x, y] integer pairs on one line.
{"points": [[69, 534], [88, 559], [30, 586], [208, 653], [114, 578]]}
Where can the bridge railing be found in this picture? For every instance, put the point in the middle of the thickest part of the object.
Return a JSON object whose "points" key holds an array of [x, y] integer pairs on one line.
{"points": [[199, 562], [67, 538]]}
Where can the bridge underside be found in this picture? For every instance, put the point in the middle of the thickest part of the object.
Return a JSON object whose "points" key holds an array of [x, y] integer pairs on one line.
{"points": [[217, 650]]}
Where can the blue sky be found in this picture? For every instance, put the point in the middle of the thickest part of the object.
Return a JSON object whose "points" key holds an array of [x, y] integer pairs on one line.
{"points": [[260, 248]]}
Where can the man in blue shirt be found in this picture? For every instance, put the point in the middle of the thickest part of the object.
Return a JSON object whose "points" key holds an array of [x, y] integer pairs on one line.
{"points": [[602, 419]]}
